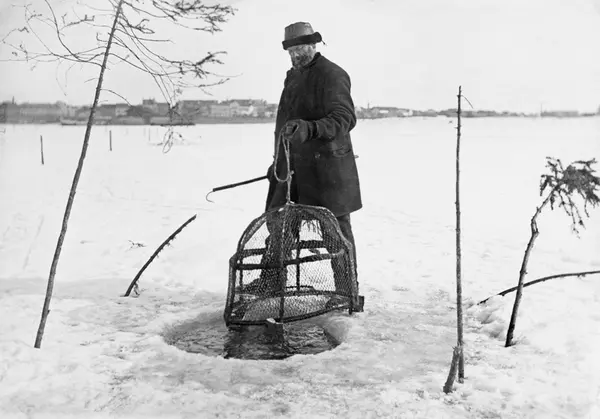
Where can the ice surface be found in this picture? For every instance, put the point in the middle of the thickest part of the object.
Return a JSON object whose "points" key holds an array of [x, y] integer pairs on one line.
{"points": [[105, 355]]}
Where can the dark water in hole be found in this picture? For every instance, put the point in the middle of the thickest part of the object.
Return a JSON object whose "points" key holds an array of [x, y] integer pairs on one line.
{"points": [[212, 338]]}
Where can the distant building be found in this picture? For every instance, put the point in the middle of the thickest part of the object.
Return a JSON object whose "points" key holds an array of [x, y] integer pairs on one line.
{"points": [[105, 113], [149, 104], [9, 112], [156, 108], [428, 113], [247, 107], [195, 109], [183, 112], [382, 112], [121, 109], [560, 114], [132, 120], [82, 113], [31, 113], [70, 111], [220, 110], [270, 110], [260, 107], [390, 112]]}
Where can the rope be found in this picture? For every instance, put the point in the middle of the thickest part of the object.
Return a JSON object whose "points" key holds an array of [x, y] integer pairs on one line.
{"points": [[282, 141], [168, 140]]}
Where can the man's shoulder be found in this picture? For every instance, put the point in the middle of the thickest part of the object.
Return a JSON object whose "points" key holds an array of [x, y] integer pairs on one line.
{"points": [[330, 67]]}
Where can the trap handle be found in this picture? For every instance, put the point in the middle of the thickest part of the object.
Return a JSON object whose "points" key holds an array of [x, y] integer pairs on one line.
{"points": [[233, 185]]}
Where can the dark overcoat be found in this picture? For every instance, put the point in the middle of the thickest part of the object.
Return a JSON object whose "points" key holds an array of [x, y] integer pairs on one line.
{"points": [[325, 172]]}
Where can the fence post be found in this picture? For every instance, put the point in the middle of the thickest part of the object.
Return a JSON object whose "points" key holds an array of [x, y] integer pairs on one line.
{"points": [[42, 148]]}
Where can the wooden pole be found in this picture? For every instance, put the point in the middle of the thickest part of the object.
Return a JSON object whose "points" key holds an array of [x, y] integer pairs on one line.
{"points": [[459, 313], [42, 148], [452, 374], [110, 140]]}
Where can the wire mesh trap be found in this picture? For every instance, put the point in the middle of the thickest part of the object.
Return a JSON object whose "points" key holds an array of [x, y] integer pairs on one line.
{"points": [[292, 263]]}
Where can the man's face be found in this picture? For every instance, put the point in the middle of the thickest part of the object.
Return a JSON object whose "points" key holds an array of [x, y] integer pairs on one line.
{"points": [[301, 55]]}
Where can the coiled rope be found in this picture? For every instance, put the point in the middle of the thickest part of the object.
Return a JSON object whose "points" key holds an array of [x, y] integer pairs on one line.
{"points": [[283, 141]]}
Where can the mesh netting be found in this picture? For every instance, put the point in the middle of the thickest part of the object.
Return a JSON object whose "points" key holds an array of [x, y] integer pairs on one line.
{"points": [[291, 263]]}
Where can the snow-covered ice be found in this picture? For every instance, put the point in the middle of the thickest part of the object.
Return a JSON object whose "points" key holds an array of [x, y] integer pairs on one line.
{"points": [[105, 355]]}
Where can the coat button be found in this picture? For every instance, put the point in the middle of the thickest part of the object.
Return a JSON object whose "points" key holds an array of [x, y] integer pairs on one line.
{"points": [[317, 155]]}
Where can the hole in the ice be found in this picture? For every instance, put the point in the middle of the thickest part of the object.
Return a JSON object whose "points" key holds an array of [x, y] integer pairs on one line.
{"points": [[209, 336]]}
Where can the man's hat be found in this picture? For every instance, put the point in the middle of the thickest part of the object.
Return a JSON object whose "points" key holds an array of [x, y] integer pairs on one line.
{"points": [[300, 33]]}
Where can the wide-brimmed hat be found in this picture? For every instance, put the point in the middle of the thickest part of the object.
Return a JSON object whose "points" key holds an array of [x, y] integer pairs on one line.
{"points": [[300, 33]]}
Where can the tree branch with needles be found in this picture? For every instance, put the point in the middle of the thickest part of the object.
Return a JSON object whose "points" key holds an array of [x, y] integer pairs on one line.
{"points": [[564, 185]]}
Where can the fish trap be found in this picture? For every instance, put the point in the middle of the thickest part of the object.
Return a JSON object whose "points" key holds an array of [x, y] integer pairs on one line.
{"points": [[292, 263]]}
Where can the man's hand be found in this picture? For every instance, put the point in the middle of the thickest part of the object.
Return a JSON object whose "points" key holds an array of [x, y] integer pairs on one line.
{"points": [[298, 131]]}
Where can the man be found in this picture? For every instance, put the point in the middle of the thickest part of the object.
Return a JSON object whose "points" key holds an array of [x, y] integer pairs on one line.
{"points": [[316, 114]]}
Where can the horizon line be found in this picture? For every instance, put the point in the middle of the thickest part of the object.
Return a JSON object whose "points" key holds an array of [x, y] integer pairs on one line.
{"points": [[12, 101]]}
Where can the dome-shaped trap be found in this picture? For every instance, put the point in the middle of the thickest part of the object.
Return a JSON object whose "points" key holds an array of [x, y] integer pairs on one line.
{"points": [[292, 263]]}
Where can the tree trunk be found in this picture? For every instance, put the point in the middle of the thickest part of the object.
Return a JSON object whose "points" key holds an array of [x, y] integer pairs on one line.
{"points": [[65, 222], [523, 271]]}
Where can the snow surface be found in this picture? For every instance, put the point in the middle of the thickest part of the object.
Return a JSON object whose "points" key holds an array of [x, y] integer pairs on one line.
{"points": [[104, 355]]}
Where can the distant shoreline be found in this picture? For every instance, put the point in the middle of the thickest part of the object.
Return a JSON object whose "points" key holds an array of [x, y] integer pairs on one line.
{"points": [[241, 121]]}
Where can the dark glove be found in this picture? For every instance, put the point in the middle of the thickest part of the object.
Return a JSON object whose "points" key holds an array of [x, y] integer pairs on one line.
{"points": [[270, 172], [299, 131]]}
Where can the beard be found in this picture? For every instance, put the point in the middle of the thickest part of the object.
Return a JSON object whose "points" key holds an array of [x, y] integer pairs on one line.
{"points": [[300, 61], [303, 58]]}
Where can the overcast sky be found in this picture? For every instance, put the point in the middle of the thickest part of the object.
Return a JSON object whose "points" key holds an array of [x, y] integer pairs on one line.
{"points": [[508, 55]]}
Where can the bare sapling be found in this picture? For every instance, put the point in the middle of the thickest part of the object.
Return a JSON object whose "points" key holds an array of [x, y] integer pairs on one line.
{"points": [[563, 186], [122, 34], [458, 360], [71, 198]]}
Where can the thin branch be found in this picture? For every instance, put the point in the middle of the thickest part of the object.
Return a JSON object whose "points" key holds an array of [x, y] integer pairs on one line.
{"points": [[58, 32], [58, 81], [140, 46], [23, 29], [536, 281], [158, 78], [96, 9], [465, 98], [118, 95], [140, 11], [155, 254]]}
